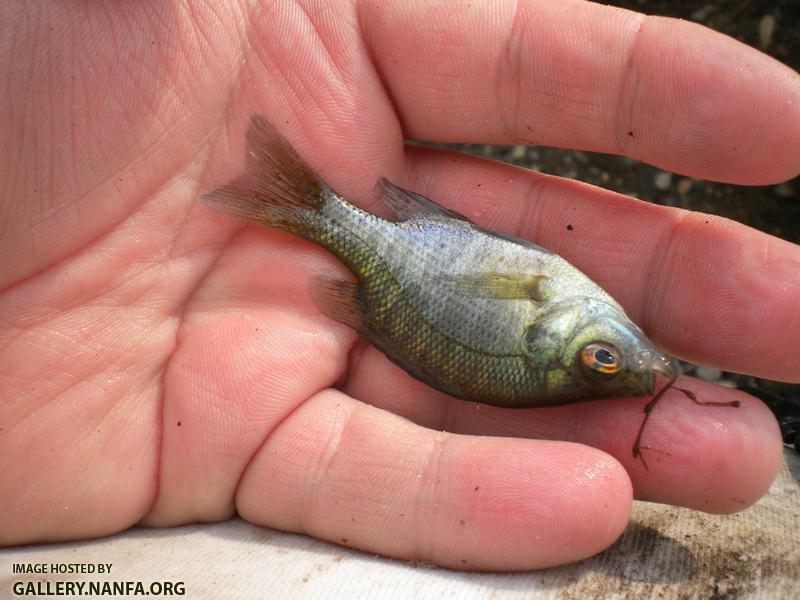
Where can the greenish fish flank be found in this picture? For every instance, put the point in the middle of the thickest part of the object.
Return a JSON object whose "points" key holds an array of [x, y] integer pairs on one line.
{"points": [[476, 314]]}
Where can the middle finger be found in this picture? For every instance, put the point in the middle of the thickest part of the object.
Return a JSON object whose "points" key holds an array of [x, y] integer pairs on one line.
{"points": [[716, 459]]}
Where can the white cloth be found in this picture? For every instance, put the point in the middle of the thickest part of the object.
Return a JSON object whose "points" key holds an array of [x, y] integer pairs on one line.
{"points": [[666, 552]]}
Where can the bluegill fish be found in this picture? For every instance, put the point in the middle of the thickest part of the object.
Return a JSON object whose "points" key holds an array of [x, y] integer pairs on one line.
{"points": [[477, 314]]}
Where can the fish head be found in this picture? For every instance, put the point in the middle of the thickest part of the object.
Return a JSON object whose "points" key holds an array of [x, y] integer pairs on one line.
{"points": [[597, 351]]}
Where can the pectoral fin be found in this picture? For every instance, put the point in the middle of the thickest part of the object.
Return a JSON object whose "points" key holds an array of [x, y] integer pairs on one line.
{"points": [[505, 286]]}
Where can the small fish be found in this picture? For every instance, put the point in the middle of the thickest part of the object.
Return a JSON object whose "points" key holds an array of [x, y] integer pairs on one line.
{"points": [[477, 314]]}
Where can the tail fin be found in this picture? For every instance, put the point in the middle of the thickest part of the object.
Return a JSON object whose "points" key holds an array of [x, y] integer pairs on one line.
{"points": [[277, 189]]}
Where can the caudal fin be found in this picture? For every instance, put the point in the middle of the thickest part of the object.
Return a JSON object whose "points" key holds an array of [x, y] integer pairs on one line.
{"points": [[277, 189]]}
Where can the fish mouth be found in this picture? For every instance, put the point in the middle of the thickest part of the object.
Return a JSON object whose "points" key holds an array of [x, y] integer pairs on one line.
{"points": [[667, 366], [653, 363]]}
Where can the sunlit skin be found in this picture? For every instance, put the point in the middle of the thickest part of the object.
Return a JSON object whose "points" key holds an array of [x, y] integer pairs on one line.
{"points": [[163, 364]]}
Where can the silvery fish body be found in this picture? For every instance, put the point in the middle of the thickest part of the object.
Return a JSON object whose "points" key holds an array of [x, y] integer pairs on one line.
{"points": [[473, 313]]}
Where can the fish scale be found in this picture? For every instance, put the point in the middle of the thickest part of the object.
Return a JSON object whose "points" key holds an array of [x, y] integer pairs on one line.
{"points": [[392, 316]]}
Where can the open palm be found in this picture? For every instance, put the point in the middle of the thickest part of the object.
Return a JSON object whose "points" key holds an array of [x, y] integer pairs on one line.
{"points": [[163, 364]]}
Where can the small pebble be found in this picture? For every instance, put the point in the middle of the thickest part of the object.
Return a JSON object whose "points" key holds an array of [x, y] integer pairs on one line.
{"points": [[701, 14], [766, 27], [684, 186], [662, 180], [708, 373], [784, 190], [518, 152]]}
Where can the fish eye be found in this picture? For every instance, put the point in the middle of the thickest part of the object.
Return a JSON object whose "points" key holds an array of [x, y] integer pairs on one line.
{"points": [[601, 358]]}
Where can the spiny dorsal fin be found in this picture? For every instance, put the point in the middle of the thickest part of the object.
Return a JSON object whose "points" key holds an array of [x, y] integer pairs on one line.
{"points": [[516, 240], [407, 205]]}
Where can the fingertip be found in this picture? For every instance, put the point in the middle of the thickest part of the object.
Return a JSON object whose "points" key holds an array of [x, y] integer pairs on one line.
{"points": [[547, 503], [751, 452], [712, 458], [719, 110]]}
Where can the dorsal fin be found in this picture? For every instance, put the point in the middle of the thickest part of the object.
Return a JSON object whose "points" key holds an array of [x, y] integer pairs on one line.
{"points": [[407, 205]]}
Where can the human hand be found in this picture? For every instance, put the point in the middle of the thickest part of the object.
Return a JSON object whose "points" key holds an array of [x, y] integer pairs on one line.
{"points": [[162, 364]]}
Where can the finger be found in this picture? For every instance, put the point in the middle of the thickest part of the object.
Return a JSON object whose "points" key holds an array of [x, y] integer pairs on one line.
{"points": [[248, 354], [705, 288], [716, 459], [359, 476], [578, 74]]}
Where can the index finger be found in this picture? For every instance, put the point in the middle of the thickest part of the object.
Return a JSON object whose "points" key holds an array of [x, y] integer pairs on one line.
{"points": [[581, 75]]}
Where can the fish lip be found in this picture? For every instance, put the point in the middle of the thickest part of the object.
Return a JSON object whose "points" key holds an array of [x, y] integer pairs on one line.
{"points": [[652, 362], [667, 366]]}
